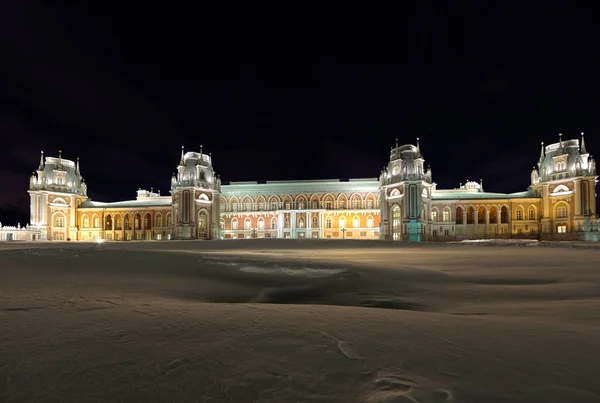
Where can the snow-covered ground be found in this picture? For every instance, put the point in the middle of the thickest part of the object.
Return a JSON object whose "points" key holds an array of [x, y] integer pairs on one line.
{"points": [[299, 321]]}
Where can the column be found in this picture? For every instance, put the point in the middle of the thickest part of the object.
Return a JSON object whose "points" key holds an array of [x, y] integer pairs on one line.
{"points": [[476, 222], [321, 225], [308, 233], [487, 222], [577, 197], [293, 224]]}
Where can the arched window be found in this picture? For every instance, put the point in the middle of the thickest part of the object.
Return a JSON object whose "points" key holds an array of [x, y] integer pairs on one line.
{"points": [[86, 222], [221, 224], [234, 224], [446, 214], [261, 223], [126, 222], [159, 221], [108, 226], [315, 221], [434, 215], [519, 213], [169, 220], [301, 222], [247, 223], [328, 222], [118, 223], [342, 222], [356, 222], [531, 213], [96, 221], [396, 222], [59, 221], [286, 222], [202, 225], [370, 222], [274, 223]]}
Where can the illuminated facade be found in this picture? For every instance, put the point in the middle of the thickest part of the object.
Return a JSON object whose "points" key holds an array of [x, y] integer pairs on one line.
{"points": [[402, 204]]}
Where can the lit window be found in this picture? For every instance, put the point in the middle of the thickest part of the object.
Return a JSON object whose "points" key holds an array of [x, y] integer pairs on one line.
{"points": [[519, 214], [248, 206], [288, 206], [356, 222], [370, 222], [342, 222], [369, 203], [86, 222], [273, 205], [328, 204], [247, 224], [261, 224], [446, 215], [561, 212], [59, 222], [273, 224], [234, 207], [328, 222], [561, 229], [234, 224], [396, 221], [315, 221], [355, 204], [434, 215], [341, 205], [531, 214], [96, 222]]}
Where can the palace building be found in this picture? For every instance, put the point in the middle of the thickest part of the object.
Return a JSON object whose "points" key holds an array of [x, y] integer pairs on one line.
{"points": [[403, 203]]}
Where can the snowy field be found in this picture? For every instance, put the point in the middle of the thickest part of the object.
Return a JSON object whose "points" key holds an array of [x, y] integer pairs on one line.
{"points": [[299, 321]]}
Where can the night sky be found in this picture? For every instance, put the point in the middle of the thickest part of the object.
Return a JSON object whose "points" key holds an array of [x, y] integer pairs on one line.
{"points": [[289, 94]]}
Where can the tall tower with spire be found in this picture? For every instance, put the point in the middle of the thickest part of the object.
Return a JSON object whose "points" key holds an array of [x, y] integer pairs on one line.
{"points": [[195, 192], [405, 194], [565, 179], [56, 189]]}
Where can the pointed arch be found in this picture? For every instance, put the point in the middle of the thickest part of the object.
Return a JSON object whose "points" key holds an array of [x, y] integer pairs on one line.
{"points": [[435, 214], [222, 224], [470, 214], [342, 201], [148, 221], [395, 193], [446, 214], [127, 224], [286, 222], [234, 203], [59, 219], [370, 221], [274, 223], [532, 212], [108, 222], [460, 215], [504, 215], [222, 204], [481, 214], [356, 221], [247, 203], [261, 203], [301, 202], [300, 222], [96, 220], [59, 200], [274, 202], [396, 214], [234, 223], [203, 197], [118, 222], [315, 221], [328, 201], [561, 189], [519, 213], [342, 222], [288, 202], [261, 223], [247, 223], [356, 201], [169, 219], [85, 221], [137, 221], [370, 201], [328, 222], [158, 220], [494, 215], [314, 201], [203, 223]]}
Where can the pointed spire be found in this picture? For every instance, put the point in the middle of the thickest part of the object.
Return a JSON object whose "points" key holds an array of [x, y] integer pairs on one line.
{"points": [[418, 149], [560, 139], [181, 161], [481, 185], [41, 168], [60, 155], [200, 148], [77, 167], [396, 142], [583, 150], [541, 154]]}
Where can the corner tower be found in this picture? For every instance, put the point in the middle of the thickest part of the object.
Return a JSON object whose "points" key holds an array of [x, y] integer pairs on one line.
{"points": [[56, 189], [565, 179], [406, 189], [195, 191]]}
